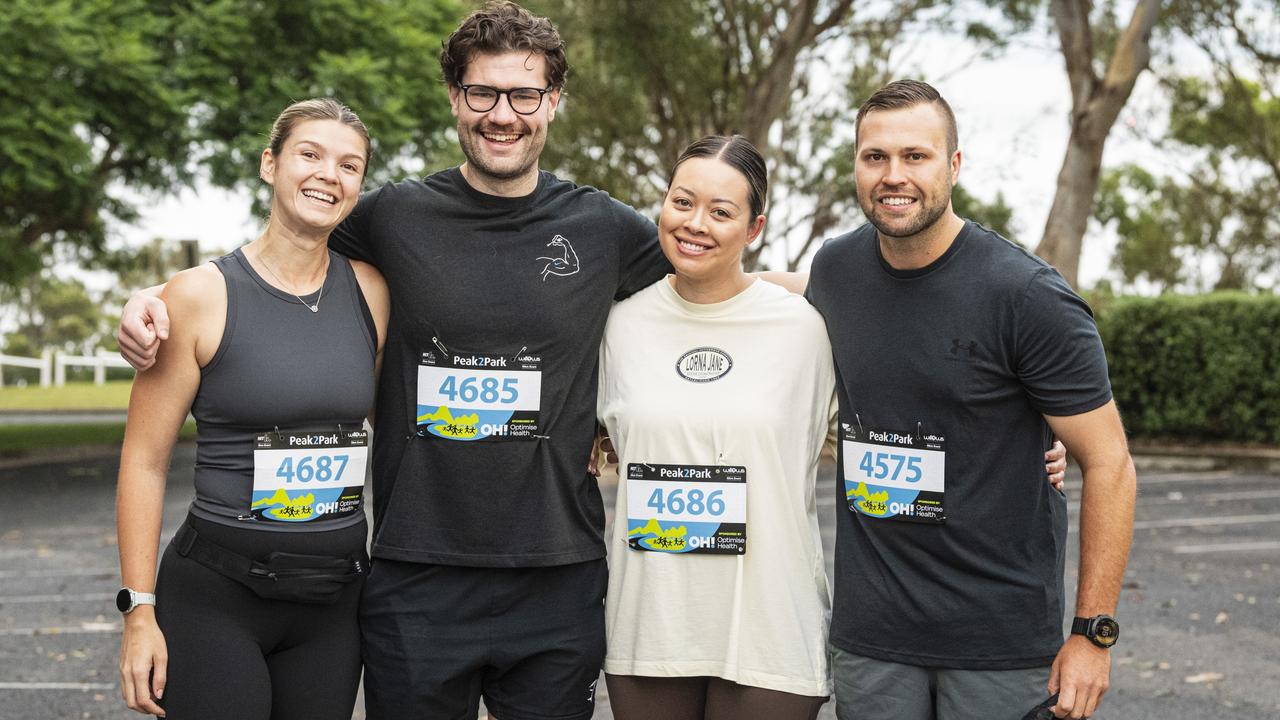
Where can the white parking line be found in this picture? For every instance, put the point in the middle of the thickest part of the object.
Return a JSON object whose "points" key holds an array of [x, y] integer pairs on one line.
{"points": [[86, 597], [1206, 521], [89, 628], [62, 572], [1198, 522], [1190, 498], [1214, 476], [1227, 547], [55, 686]]}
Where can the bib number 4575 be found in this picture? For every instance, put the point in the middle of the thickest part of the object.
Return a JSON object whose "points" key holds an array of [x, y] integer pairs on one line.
{"points": [[883, 465]]}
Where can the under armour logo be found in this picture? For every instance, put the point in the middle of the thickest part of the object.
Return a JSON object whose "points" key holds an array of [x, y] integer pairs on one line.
{"points": [[957, 347], [563, 265]]}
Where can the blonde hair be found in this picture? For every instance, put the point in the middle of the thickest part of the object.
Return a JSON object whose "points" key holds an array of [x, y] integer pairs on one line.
{"points": [[315, 109]]}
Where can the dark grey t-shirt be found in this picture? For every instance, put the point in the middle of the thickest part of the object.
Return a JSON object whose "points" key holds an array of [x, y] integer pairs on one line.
{"points": [[486, 286], [964, 356]]}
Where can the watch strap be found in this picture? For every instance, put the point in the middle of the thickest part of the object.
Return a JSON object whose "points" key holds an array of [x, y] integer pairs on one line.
{"points": [[1081, 625]]}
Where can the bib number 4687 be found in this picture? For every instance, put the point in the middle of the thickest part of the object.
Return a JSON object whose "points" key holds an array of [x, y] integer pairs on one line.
{"points": [[883, 465], [311, 467]]}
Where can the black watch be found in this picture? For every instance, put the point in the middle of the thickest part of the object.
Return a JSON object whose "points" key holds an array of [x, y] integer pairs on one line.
{"points": [[1102, 630], [127, 600]]}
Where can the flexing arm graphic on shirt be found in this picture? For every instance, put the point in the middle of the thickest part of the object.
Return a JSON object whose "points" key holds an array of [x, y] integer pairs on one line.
{"points": [[565, 264]]}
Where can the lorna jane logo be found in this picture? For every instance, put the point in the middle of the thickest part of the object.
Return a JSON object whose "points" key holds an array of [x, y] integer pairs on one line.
{"points": [[561, 260], [704, 364]]}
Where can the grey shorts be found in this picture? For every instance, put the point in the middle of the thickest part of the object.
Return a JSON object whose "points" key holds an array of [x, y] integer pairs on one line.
{"points": [[870, 689]]}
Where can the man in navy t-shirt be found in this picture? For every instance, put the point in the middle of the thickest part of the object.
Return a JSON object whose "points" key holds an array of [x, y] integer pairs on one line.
{"points": [[959, 356]]}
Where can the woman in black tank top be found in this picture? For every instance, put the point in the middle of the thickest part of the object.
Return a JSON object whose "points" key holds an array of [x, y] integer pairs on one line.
{"points": [[272, 349]]}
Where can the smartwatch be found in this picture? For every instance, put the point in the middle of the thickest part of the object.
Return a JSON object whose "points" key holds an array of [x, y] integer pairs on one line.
{"points": [[127, 600], [1102, 630]]}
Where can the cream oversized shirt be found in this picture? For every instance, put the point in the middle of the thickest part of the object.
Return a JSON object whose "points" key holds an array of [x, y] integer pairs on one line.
{"points": [[757, 394]]}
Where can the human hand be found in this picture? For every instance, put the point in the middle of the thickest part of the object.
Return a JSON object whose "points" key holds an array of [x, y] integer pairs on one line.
{"points": [[602, 445], [144, 323], [1055, 464], [1080, 675], [144, 662]]}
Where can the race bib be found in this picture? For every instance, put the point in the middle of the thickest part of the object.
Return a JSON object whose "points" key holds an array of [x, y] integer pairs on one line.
{"points": [[687, 508], [301, 477], [894, 476], [465, 396]]}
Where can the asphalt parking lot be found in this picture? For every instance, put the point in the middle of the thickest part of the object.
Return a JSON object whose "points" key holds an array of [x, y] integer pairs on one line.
{"points": [[1200, 608]]}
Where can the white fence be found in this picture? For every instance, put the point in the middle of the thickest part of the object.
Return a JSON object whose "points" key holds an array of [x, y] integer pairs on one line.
{"points": [[53, 366]]}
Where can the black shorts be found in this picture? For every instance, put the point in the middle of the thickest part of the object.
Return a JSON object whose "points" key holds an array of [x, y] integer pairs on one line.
{"points": [[438, 637]]}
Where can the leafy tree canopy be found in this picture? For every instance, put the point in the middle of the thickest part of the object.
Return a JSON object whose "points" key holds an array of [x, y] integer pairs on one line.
{"points": [[97, 95]]}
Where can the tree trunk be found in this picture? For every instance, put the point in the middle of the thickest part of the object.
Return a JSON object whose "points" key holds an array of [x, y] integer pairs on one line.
{"points": [[1095, 104]]}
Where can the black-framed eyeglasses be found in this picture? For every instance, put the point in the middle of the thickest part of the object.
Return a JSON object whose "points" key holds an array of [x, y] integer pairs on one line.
{"points": [[483, 98]]}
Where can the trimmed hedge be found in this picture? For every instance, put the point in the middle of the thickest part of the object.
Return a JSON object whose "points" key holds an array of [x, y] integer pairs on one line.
{"points": [[1204, 367]]}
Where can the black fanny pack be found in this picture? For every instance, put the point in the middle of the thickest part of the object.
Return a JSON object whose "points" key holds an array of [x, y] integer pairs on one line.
{"points": [[315, 579]]}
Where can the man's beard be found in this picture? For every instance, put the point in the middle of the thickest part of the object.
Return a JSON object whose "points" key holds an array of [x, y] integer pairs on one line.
{"points": [[925, 219], [471, 143]]}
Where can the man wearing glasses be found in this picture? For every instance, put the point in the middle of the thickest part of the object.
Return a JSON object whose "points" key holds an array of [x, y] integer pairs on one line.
{"points": [[489, 572]]}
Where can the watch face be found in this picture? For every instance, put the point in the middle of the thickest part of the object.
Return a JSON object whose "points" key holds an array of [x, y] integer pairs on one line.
{"points": [[124, 600], [1106, 631]]}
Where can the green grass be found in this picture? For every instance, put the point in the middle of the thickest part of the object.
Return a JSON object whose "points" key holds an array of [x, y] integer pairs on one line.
{"points": [[18, 440], [113, 395]]}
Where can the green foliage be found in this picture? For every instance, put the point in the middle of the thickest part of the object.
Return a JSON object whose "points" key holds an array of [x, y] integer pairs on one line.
{"points": [[995, 215], [1220, 208], [54, 313], [96, 95], [1196, 367]]}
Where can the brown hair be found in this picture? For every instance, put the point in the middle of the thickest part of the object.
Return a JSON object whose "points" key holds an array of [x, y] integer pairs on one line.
{"points": [[315, 109], [501, 27], [738, 153], [901, 94]]}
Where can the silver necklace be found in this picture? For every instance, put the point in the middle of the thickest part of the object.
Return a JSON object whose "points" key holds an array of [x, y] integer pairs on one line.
{"points": [[307, 305]]}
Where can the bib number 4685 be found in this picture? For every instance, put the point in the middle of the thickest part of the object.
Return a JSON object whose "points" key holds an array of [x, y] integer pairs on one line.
{"points": [[486, 389], [880, 465]]}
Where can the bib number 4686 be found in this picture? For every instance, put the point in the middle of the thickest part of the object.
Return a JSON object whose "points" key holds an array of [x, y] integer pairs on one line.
{"points": [[695, 502], [882, 465]]}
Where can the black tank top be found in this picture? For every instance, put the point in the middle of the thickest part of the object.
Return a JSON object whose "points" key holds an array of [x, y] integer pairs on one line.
{"points": [[280, 443]]}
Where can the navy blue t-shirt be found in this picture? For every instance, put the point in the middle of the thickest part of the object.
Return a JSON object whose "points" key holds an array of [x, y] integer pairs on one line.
{"points": [[954, 364]]}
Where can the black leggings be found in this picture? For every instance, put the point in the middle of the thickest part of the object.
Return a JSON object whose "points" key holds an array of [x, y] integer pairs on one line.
{"points": [[633, 697], [233, 654]]}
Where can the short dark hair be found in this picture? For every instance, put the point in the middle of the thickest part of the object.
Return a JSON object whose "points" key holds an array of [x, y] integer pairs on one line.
{"points": [[738, 153], [500, 27], [315, 109], [901, 94]]}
